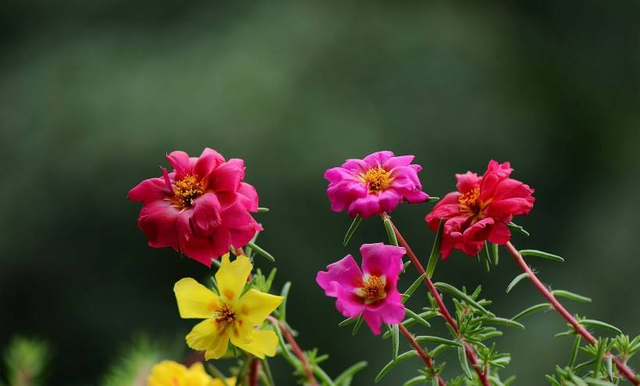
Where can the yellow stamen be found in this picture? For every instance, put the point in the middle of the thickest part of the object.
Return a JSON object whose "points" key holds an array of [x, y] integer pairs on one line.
{"points": [[188, 189], [225, 317], [372, 289], [377, 178], [470, 204]]}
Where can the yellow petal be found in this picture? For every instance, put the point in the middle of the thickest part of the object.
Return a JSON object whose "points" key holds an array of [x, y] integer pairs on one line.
{"points": [[263, 343], [165, 372], [256, 306], [232, 277], [206, 337], [196, 376], [195, 300], [230, 382]]}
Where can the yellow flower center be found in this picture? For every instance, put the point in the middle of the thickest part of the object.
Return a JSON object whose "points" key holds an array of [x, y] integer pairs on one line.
{"points": [[225, 317], [372, 289], [471, 206], [188, 189], [377, 178]]}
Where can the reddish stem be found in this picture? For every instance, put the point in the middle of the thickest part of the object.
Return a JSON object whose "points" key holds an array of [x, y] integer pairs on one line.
{"points": [[296, 349], [254, 373], [622, 367], [423, 355], [471, 355]]}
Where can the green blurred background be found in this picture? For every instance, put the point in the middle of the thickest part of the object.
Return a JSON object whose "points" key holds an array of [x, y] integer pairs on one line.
{"points": [[93, 94]]}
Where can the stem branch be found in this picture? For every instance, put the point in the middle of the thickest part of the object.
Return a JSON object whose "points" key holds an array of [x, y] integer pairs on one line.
{"points": [[471, 354], [622, 367], [423, 355], [296, 350]]}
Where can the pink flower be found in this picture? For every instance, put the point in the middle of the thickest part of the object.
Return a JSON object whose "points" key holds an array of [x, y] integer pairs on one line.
{"points": [[480, 210], [374, 185], [372, 294], [201, 208]]}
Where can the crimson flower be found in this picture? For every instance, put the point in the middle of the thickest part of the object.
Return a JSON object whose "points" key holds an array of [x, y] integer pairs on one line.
{"points": [[201, 208], [480, 210], [375, 184]]}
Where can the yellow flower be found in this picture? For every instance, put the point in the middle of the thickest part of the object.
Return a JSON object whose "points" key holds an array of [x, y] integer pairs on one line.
{"points": [[228, 316], [168, 373]]}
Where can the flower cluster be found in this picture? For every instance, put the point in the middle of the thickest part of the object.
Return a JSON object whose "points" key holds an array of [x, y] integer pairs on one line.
{"points": [[202, 208], [481, 209]]}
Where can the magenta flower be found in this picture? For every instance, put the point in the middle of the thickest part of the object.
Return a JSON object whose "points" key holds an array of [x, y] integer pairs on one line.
{"points": [[371, 292], [374, 185], [201, 208], [481, 209]]}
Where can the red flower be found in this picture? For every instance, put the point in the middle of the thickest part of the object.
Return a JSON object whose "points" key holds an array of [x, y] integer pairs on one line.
{"points": [[480, 210], [201, 208]]}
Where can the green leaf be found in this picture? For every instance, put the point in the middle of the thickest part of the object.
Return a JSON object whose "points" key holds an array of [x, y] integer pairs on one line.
{"points": [[263, 210], [407, 294], [326, 380], [462, 357], [417, 317], [388, 226], [433, 199], [269, 281], [599, 324], [544, 255], [461, 296], [347, 322], [437, 340], [484, 257], [574, 351], [419, 380], [282, 310], [517, 280], [395, 339], [571, 295], [435, 251], [356, 327], [553, 380], [352, 229], [598, 382], [495, 253], [532, 309], [389, 366], [503, 322], [350, 372], [517, 228], [261, 252]]}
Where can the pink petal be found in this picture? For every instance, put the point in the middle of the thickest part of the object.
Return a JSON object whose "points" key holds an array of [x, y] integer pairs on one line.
{"points": [[206, 214], [227, 176], [208, 161], [344, 273], [342, 194], [180, 162], [158, 222], [241, 235], [389, 200], [394, 162], [500, 234], [248, 195], [378, 158], [416, 197], [382, 260], [153, 189], [197, 248], [479, 232], [338, 174], [366, 206], [467, 182]]}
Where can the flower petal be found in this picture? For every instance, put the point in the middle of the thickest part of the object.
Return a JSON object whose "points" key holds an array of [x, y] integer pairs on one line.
{"points": [[382, 260], [158, 222], [180, 162], [232, 277], [262, 343], [255, 306], [208, 161], [206, 337], [195, 300], [343, 273], [152, 189], [378, 158], [206, 214], [467, 182], [227, 176]]}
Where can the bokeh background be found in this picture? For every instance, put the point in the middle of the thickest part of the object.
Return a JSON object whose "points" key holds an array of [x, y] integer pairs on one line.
{"points": [[93, 94]]}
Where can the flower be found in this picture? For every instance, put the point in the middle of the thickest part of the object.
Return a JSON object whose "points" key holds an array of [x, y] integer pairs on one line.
{"points": [[201, 208], [169, 373], [480, 210], [376, 184], [371, 292], [229, 317]]}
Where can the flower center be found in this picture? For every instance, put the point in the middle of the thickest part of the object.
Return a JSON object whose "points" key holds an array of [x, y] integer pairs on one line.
{"points": [[377, 178], [188, 189], [470, 204], [225, 317], [372, 289]]}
